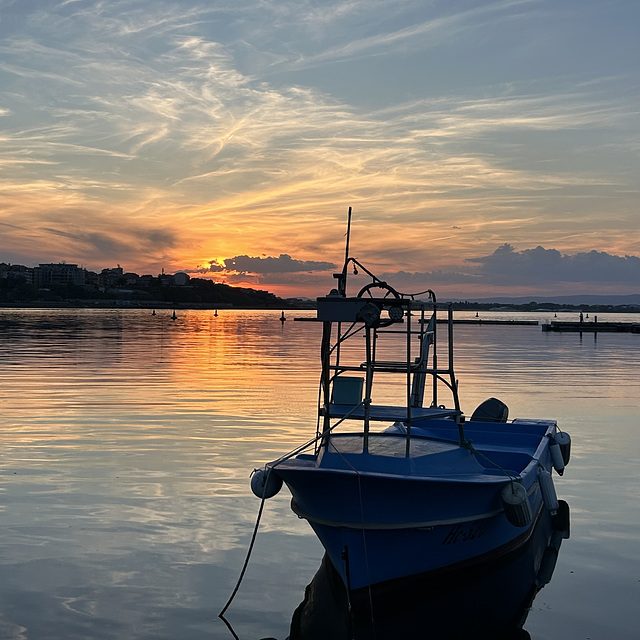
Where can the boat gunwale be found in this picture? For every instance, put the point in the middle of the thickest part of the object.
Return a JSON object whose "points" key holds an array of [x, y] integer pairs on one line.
{"points": [[478, 478]]}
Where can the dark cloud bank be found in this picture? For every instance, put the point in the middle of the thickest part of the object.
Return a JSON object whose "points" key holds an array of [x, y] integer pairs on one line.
{"points": [[265, 265], [506, 267]]}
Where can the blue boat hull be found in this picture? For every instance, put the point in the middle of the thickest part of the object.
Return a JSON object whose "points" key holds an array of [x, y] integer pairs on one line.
{"points": [[383, 517], [372, 556]]}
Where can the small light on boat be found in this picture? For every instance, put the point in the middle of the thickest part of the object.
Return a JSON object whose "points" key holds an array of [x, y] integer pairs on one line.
{"points": [[265, 483], [564, 440], [396, 313], [516, 504], [556, 457], [548, 491]]}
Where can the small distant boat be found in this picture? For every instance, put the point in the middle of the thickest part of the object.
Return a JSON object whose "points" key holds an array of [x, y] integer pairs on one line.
{"points": [[174, 315], [433, 489]]}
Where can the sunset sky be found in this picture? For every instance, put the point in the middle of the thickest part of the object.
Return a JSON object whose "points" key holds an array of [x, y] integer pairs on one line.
{"points": [[486, 147]]}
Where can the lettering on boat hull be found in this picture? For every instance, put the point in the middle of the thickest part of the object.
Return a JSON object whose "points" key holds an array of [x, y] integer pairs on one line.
{"points": [[465, 532]]}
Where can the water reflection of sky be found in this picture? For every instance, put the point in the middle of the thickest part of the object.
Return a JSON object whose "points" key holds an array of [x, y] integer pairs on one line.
{"points": [[128, 439]]}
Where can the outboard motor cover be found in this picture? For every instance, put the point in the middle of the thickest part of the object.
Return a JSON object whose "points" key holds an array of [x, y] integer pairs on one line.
{"points": [[491, 410]]}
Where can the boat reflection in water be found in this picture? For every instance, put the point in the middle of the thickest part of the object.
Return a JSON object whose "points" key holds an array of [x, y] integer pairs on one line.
{"points": [[490, 599]]}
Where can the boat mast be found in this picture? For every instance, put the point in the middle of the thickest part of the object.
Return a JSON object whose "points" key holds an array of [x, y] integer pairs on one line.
{"points": [[342, 278], [346, 249], [325, 348]]}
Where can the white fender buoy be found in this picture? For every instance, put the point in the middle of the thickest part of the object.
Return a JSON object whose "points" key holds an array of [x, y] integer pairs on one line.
{"points": [[556, 457], [516, 504], [564, 440], [548, 491], [265, 483]]}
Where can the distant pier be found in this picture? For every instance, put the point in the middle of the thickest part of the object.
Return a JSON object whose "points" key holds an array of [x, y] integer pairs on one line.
{"points": [[592, 327], [502, 322], [476, 321]]}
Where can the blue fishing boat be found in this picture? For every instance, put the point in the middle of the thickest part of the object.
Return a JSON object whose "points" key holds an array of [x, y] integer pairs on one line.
{"points": [[397, 480]]}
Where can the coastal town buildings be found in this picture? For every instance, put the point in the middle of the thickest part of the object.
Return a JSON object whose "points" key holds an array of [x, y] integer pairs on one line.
{"points": [[47, 275], [66, 284]]}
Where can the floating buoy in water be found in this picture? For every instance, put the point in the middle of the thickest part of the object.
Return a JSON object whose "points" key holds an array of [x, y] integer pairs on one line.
{"points": [[564, 440], [283, 319], [265, 483], [548, 491], [556, 457], [516, 504]]}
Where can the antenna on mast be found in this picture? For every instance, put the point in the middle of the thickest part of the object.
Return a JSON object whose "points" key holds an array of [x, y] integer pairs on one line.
{"points": [[346, 250], [342, 277]]}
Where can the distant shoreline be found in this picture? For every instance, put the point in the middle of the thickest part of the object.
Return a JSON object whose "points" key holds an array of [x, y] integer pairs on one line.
{"points": [[310, 305]]}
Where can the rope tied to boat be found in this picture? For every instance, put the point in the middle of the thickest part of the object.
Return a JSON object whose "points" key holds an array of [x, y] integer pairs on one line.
{"points": [[468, 444], [270, 469], [364, 536], [246, 560]]}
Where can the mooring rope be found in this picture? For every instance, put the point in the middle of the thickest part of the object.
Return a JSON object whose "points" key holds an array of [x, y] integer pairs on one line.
{"points": [[246, 560], [364, 538], [468, 444], [261, 509]]}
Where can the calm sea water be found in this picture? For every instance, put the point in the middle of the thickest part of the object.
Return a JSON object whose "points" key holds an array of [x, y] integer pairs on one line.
{"points": [[127, 441]]}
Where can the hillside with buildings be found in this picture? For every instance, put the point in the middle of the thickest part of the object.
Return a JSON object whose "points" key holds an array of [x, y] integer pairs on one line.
{"points": [[64, 284]]}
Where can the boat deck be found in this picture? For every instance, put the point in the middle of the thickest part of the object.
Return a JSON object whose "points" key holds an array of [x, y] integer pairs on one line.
{"points": [[389, 445], [428, 458], [432, 452]]}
